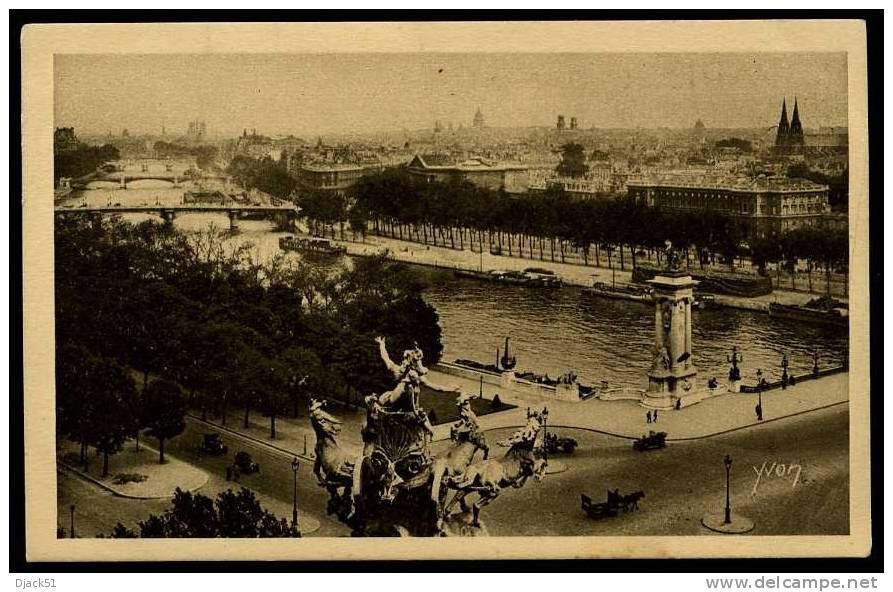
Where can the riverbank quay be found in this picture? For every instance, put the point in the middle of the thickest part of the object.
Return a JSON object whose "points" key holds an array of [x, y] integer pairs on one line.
{"points": [[570, 274], [627, 419], [623, 418]]}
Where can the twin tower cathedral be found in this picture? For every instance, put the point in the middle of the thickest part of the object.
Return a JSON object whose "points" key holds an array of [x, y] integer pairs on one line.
{"points": [[789, 134]]}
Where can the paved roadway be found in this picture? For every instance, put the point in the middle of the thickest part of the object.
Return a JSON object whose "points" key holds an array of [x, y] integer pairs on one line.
{"points": [[681, 482], [100, 511]]}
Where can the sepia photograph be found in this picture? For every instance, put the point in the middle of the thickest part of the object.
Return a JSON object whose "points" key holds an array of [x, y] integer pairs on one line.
{"points": [[335, 292]]}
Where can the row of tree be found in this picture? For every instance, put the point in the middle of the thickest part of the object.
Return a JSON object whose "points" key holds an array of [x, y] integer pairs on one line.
{"points": [[460, 213], [207, 318], [99, 404]]}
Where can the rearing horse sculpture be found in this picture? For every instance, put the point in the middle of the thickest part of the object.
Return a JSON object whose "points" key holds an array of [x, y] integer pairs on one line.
{"points": [[488, 477], [467, 439], [334, 466]]}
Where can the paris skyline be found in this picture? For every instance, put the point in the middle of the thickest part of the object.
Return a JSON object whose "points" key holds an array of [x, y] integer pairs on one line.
{"points": [[367, 93]]}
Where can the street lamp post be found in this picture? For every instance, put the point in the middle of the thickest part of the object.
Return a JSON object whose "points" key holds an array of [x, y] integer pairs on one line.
{"points": [[71, 532], [728, 462], [294, 510], [759, 394], [784, 370]]}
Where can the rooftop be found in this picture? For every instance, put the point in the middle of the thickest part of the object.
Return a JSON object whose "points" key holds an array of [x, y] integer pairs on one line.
{"points": [[729, 183], [446, 163]]}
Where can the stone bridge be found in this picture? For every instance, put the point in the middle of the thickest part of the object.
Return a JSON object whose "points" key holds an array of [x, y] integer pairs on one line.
{"points": [[283, 215]]}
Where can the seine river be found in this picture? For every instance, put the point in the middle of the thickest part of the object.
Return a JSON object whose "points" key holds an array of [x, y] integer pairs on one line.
{"points": [[552, 331]]}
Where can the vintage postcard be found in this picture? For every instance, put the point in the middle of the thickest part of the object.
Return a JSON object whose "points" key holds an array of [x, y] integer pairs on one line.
{"points": [[513, 290]]}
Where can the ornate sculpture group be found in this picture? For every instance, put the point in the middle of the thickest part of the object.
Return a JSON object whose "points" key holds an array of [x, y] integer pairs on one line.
{"points": [[395, 487]]}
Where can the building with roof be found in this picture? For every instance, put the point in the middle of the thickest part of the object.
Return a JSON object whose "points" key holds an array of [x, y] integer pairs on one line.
{"points": [[512, 178], [333, 178], [768, 205]]}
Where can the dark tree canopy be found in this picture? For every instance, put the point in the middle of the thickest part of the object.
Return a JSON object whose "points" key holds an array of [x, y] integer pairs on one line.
{"points": [[193, 515], [164, 408]]}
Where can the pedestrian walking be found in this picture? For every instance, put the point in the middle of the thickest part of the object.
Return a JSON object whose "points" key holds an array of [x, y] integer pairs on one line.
{"points": [[759, 411], [648, 417], [654, 417], [678, 404]]}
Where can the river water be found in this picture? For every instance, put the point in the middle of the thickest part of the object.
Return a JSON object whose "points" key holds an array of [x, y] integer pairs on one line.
{"points": [[551, 331]]}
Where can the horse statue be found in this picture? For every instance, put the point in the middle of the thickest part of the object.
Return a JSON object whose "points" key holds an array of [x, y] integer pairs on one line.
{"points": [[467, 439], [489, 477], [334, 466]]}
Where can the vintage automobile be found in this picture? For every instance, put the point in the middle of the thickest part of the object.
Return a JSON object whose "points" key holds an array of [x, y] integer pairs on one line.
{"points": [[244, 463], [652, 441], [212, 444], [553, 443]]}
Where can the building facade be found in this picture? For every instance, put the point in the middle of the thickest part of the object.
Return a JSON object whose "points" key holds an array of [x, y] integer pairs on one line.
{"points": [[512, 178], [769, 206], [334, 178]]}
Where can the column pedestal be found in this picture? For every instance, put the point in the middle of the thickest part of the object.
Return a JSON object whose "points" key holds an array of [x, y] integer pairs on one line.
{"points": [[672, 371]]}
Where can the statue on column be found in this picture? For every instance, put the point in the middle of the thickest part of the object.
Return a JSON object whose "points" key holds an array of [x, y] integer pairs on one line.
{"points": [[661, 359], [734, 359], [672, 256]]}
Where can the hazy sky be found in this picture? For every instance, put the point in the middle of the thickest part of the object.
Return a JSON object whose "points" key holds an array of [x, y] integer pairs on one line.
{"points": [[336, 93]]}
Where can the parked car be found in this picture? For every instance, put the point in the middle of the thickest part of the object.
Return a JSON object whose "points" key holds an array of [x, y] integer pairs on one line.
{"points": [[212, 444], [244, 463], [652, 441], [554, 443]]}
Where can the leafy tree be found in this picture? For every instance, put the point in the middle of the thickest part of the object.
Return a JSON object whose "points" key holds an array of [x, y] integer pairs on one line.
{"points": [[112, 408], [231, 515], [163, 412]]}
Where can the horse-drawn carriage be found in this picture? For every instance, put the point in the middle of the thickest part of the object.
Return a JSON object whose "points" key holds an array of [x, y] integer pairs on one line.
{"points": [[597, 511], [652, 441], [614, 503]]}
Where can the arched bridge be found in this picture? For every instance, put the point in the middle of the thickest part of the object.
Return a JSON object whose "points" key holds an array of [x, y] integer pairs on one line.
{"points": [[284, 215], [125, 177]]}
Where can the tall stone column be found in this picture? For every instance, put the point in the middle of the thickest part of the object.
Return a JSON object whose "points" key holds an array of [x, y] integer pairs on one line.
{"points": [[672, 366]]}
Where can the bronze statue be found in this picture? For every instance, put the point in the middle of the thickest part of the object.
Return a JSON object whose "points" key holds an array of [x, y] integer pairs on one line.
{"points": [[467, 439], [672, 256], [734, 359], [488, 477], [333, 465], [395, 487], [661, 359]]}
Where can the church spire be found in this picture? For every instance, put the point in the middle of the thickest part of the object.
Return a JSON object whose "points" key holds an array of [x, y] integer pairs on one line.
{"points": [[783, 127], [796, 132]]}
